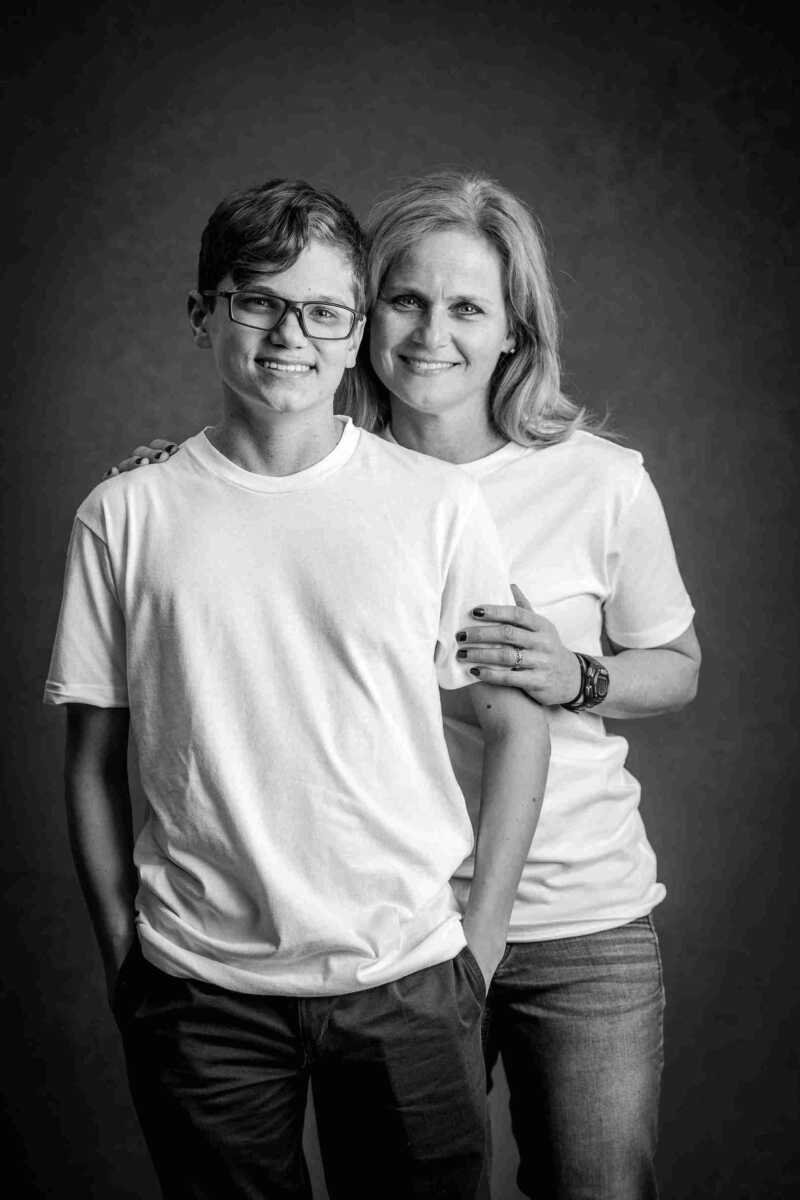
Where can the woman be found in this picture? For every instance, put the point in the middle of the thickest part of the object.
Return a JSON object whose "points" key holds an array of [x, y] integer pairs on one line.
{"points": [[464, 365]]}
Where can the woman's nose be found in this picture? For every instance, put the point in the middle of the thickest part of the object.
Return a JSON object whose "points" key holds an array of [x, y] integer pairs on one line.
{"points": [[432, 330]]}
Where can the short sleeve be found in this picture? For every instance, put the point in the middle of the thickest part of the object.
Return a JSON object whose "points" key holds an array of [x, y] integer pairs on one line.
{"points": [[648, 604], [476, 574], [87, 665]]}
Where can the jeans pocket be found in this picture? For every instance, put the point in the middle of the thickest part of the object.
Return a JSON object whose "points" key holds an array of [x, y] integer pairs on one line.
{"points": [[474, 974], [122, 981]]}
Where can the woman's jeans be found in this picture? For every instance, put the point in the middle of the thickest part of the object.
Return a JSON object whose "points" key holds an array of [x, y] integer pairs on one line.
{"points": [[578, 1024]]}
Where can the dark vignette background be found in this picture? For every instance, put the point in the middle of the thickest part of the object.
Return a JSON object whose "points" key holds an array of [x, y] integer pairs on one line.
{"points": [[654, 142]]}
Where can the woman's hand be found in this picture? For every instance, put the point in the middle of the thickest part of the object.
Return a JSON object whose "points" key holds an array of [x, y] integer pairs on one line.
{"points": [[159, 450], [515, 647]]}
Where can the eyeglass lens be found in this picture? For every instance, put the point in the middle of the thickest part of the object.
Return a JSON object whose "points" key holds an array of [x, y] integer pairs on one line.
{"points": [[262, 311]]}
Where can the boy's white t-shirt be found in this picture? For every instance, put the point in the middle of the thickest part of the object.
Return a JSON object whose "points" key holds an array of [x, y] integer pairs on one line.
{"points": [[585, 536], [280, 642]]}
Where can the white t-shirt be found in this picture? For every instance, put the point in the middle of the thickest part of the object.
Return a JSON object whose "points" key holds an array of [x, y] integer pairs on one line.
{"points": [[280, 643], [587, 541]]}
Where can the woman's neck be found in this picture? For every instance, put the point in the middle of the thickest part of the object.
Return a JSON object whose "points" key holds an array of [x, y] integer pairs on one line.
{"points": [[455, 437]]}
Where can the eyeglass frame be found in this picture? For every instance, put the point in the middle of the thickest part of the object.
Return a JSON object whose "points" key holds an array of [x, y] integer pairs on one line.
{"points": [[295, 306]]}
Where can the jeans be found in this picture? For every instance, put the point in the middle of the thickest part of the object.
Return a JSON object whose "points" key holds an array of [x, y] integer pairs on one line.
{"points": [[578, 1023], [220, 1079]]}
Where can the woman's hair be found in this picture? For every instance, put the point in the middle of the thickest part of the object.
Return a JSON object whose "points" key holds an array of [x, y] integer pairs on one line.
{"points": [[527, 404]]}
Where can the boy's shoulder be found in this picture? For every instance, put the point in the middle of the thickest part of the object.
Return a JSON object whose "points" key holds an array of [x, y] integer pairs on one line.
{"points": [[113, 497], [413, 469]]}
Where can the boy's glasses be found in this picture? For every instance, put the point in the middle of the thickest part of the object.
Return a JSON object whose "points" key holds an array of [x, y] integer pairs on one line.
{"points": [[316, 318]]}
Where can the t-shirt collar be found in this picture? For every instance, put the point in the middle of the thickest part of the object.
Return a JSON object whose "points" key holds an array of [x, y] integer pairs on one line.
{"points": [[214, 461]]}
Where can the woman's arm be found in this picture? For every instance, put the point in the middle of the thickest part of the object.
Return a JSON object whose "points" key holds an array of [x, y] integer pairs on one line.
{"points": [[516, 647], [100, 825], [516, 755]]}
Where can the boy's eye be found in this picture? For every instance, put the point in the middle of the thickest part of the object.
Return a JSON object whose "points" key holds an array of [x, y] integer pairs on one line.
{"points": [[258, 302], [321, 312]]}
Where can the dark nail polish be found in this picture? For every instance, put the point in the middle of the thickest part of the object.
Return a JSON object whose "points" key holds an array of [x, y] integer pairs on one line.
{"points": [[138, 461], [479, 612], [461, 654], [474, 671], [172, 446], [461, 636]]}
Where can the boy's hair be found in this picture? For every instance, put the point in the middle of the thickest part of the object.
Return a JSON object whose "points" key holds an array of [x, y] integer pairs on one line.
{"points": [[265, 228]]}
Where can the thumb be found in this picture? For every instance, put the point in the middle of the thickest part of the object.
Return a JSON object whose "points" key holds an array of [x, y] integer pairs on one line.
{"points": [[520, 597]]}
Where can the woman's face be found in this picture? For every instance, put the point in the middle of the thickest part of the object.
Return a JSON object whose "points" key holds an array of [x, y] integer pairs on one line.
{"points": [[439, 324]]}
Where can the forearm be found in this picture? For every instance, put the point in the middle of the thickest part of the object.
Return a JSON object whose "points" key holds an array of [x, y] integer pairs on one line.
{"points": [[101, 837], [645, 683], [514, 774]]}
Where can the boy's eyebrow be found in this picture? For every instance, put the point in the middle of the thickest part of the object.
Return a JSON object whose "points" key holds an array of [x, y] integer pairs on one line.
{"points": [[268, 291]]}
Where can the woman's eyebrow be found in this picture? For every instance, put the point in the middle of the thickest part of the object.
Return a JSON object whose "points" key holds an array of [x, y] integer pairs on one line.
{"points": [[456, 297]]}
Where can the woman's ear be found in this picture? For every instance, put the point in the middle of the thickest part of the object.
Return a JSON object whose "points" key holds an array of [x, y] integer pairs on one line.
{"points": [[198, 313]]}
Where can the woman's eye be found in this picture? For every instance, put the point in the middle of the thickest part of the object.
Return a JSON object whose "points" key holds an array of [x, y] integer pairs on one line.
{"points": [[466, 309], [406, 302]]}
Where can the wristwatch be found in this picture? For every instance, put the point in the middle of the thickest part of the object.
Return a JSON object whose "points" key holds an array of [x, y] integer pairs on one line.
{"points": [[594, 684]]}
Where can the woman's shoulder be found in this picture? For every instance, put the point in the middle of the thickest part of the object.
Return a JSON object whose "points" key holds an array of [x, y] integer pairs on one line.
{"points": [[594, 458]]}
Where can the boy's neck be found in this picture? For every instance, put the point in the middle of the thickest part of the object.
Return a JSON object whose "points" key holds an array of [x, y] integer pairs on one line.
{"points": [[276, 443]]}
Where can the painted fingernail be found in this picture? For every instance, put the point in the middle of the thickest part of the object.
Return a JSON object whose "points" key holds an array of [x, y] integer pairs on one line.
{"points": [[138, 461], [479, 612], [474, 670], [159, 456], [461, 654], [172, 446], [461, 636]]}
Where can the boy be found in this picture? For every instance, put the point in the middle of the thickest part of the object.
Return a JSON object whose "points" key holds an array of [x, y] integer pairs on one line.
{"points": [[269, 614]]}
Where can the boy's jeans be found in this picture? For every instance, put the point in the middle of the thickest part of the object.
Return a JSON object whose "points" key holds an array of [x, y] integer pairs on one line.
{"points": [[220, 1079]]}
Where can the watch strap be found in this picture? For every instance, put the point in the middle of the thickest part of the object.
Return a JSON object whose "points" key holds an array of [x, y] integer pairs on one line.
{"points": [[594, 684]]}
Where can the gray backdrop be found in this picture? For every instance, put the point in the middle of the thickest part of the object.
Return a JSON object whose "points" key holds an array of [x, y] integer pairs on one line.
{"points": [[653, 140]]}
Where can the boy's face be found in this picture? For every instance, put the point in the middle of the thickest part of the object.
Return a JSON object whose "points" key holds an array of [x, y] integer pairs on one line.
{"points": [[281, 369]]}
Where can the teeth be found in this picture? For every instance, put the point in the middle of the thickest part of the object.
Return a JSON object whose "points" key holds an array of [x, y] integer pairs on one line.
{"points": [[420, 365], [289, 368]]}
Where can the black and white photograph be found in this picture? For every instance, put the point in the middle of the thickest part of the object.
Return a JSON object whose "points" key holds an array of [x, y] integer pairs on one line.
{"points": [[400, 534]]}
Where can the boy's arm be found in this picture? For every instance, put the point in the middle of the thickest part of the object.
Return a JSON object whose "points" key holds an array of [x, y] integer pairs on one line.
{"points": [[101, 826], [516, 756]]}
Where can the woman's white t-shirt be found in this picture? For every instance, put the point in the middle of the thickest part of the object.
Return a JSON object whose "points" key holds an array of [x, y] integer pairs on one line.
{"points": [[586, 539]]}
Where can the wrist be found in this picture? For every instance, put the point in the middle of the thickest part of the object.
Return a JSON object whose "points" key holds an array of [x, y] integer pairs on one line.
{"points": [[593, 686], [486, 927], [578, 692]]}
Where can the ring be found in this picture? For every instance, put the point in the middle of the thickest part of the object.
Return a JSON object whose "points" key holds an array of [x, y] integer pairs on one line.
{"points": [[518, 659]]}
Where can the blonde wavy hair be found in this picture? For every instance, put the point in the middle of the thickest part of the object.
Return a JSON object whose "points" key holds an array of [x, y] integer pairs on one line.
{"points": [[527, 404]]}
